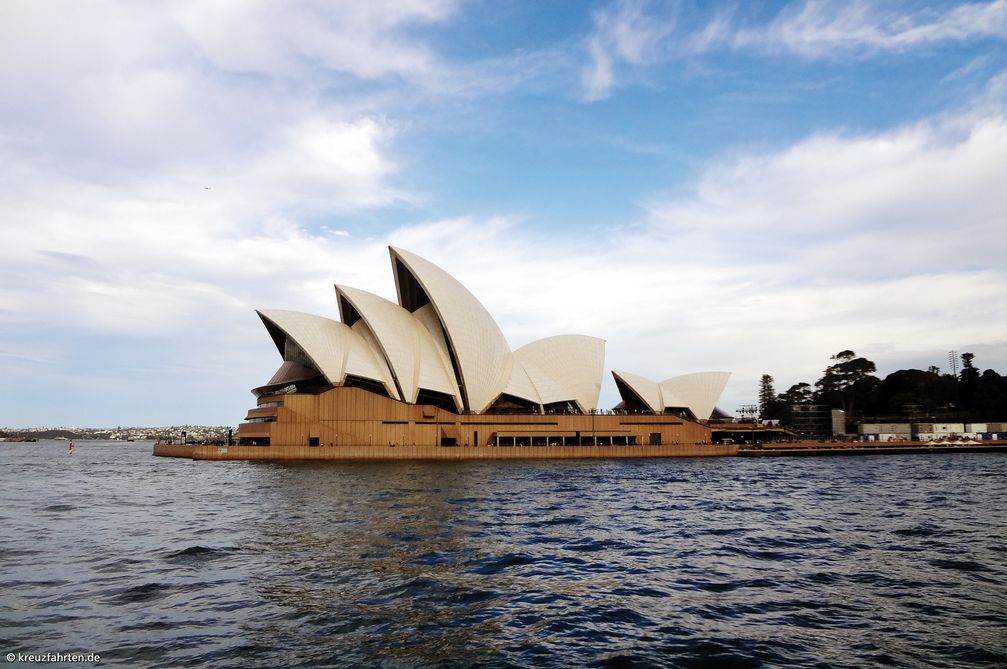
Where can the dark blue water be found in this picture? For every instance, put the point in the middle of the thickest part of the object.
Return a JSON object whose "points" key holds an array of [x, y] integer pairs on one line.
{"points": [[818, 562]]}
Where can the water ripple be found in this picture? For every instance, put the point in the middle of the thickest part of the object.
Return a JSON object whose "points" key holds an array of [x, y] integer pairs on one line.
{"points": [[852, 562]]}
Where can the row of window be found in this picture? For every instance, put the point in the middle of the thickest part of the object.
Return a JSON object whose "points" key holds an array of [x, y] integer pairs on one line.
{"points": [[505, 441], [583, 440]]}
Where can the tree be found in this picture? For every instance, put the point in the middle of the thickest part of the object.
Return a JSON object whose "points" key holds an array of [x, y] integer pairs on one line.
{"points": [[799, 393], [991, 396], [838, 383], [865, 393], [908, 388], [769, 405], [968, 383]]}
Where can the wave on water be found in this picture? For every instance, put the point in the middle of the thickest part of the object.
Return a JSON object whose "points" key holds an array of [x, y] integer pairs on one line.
{"points": [[894, 561]]}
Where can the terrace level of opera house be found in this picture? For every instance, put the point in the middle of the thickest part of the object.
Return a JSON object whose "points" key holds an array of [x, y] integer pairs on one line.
{"points": [[433, 377]]}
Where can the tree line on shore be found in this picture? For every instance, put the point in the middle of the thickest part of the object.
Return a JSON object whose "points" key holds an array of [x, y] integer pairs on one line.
{"points": [[849, 383]]}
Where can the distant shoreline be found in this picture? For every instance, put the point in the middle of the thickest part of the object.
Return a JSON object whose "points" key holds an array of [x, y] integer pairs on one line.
{"points": [[136, 433]]}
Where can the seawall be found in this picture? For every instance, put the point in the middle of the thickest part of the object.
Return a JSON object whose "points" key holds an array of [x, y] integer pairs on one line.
{"points": [[390, 453], [174, 450], [871, 448]]}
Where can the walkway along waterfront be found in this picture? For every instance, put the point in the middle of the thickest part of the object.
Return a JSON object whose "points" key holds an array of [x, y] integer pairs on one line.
{"points": [[394, 452], [378, 453]]}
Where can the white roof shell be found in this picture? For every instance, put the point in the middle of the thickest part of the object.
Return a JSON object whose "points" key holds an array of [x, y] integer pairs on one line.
{"points": [[289, 372], [403, 341], [648, 391], [565, 368], [452, 337], [428, 318], [520, 383], [480, 349], [697, 392], [332, 347]]}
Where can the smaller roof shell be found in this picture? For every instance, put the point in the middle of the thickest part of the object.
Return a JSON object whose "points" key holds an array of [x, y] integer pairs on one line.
{"points": [[332, 347], [648, 391], [403, 341], [699, 391]]}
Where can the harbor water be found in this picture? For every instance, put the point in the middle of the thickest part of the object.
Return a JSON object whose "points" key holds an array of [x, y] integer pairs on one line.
{"points": [[897, 560]]}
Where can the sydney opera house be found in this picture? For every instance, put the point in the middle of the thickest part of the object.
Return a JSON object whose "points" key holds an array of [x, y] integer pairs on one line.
{"points": [[433, 377]]}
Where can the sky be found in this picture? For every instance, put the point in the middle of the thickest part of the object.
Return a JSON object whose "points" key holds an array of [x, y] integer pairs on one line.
{"points": [[742, 186]]}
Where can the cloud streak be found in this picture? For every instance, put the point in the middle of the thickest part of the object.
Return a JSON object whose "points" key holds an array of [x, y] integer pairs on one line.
{"points": [[635, 34], [818, 29], [624, 34]]}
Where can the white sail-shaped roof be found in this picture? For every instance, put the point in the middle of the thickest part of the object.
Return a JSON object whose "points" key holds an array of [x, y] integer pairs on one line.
{"points": [[333, 348], [565, 367], [672, 401], [439, 345], [521, 385], [649, 392], [436, 346], [290, 372], [479, 348], [698, 391], [402, 339]]}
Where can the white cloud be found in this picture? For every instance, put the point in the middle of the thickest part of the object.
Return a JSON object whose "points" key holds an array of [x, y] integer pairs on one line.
{"points": [[320, 164], [819, 29], [889, 244], [364, 39], [157, 176], [895, 197], [134, 137], [862, 242], [625, 33], [635, 34], [115, 90], [265, 37]]}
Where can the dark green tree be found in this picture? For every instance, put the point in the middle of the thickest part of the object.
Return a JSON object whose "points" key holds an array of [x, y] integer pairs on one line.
{"points": [[907, 390], [866, 392], [839, 383], [968, 383], [799, 393], [769, 405], [990, 397]]}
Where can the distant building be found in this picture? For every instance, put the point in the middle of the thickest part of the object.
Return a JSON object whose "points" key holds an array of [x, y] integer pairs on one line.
{"points": [[885, 431], [816, 421], [937, 431], [916, 431]]}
